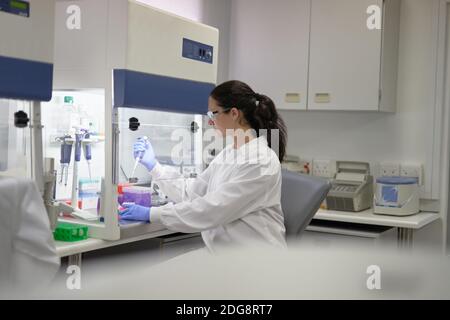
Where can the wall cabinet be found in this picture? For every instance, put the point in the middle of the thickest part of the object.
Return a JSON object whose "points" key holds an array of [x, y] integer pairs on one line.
{"points": [[318, 54], [269, 48]]}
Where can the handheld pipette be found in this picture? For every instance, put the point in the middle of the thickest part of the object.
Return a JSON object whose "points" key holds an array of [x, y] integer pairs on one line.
{"points": [[66, 154], [139, 156], [87, 146]]}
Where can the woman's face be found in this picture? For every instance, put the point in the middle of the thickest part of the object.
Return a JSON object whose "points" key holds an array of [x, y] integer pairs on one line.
{"points": [[223, 121]]}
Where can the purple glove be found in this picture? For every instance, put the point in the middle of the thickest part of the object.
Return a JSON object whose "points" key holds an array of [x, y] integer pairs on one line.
{"points": [[143, 150], [134, 212]]}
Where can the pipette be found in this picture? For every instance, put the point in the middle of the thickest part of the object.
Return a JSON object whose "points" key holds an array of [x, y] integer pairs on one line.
{"points": [[87, 146], [139, 157], [66, 154]]}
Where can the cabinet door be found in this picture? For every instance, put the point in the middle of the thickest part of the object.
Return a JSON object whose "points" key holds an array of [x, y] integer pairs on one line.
{"points": [[269, 49], [345, 56]]}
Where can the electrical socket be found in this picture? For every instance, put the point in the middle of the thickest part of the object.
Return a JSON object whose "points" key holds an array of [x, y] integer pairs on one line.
{"points": [[324, 168], [389, 169], [412, 170]]}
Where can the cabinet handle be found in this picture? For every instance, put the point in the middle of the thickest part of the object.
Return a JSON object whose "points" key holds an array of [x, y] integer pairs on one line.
{"points": [[292, 98], [322, 98]]}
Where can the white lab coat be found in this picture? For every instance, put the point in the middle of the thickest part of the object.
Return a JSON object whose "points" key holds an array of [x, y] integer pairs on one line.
{"points": [[27, 252], [232, 203]]}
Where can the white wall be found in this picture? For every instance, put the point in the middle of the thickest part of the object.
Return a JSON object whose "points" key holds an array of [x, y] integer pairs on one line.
{"points": [[191, 9], [217, 13], [405, 136]]}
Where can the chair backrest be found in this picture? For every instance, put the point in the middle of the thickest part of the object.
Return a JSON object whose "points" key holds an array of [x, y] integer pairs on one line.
{"points": [[301, 196]]}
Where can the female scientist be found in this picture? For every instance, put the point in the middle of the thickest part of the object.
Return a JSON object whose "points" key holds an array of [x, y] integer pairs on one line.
{"points": [[236, 200]]}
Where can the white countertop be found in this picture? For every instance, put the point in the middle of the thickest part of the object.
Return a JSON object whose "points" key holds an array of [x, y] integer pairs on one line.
{"points": [[64, 249], [416, 221]]}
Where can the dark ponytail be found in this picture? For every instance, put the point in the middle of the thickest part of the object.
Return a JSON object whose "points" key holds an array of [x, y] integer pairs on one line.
{"points": [[259, 111]]}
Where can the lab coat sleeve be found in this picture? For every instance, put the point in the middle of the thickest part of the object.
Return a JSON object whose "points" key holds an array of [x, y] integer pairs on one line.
{"points": [[176, 187], [248, 191], [34, 257]]}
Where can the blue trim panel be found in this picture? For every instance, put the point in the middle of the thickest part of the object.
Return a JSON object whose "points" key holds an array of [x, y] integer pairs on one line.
{"points": [[397, 180], [25, 79], [148, 91]]}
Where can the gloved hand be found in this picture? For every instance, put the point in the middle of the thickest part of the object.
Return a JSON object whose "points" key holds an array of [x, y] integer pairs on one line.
{"points": [[145, 147], [134, 212]]}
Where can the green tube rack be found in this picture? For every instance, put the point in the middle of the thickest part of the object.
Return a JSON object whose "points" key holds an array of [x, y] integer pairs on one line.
{"points": [[68, 232]]}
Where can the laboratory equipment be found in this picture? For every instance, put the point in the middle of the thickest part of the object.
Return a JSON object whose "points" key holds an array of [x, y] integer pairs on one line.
{"points": [[158, 198], [87, 149], [133, 180], [137, 160], [89, 190], [352, 187], [26, 64], [66, 155], [85, 189], [80, 135], [4, 139], [83, 142], [163, 82], [138, 195], [396, 196], [68, 232], [293, 163], [144, 196]]}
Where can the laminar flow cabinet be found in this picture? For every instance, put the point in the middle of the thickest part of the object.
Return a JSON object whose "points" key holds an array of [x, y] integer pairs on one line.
{"points": [[118, 60]]}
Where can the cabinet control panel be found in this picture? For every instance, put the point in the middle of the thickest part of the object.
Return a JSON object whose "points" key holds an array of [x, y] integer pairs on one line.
{"points": [[197, 51], [17, 7]]}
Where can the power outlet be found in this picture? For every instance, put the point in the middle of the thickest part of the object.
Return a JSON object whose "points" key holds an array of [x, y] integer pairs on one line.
{"points": [[389, 169], [413, 171], [324, 168]]}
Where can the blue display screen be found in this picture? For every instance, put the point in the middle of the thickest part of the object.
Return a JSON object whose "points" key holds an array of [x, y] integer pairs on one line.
{"points": [[17, 7], [197, 51], [390, 194]]}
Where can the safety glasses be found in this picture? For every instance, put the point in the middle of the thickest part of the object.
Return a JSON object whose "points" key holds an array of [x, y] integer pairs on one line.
{"points": [[213, 114]]}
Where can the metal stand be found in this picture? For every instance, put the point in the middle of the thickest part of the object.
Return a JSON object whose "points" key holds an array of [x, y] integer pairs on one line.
{"points": [[37, 158], [405, 238], [75, 260]]}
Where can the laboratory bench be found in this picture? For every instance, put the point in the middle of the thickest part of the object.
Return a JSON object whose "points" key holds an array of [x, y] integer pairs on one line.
{"points": [[376, 224], [356, 224], [74, 250]]}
